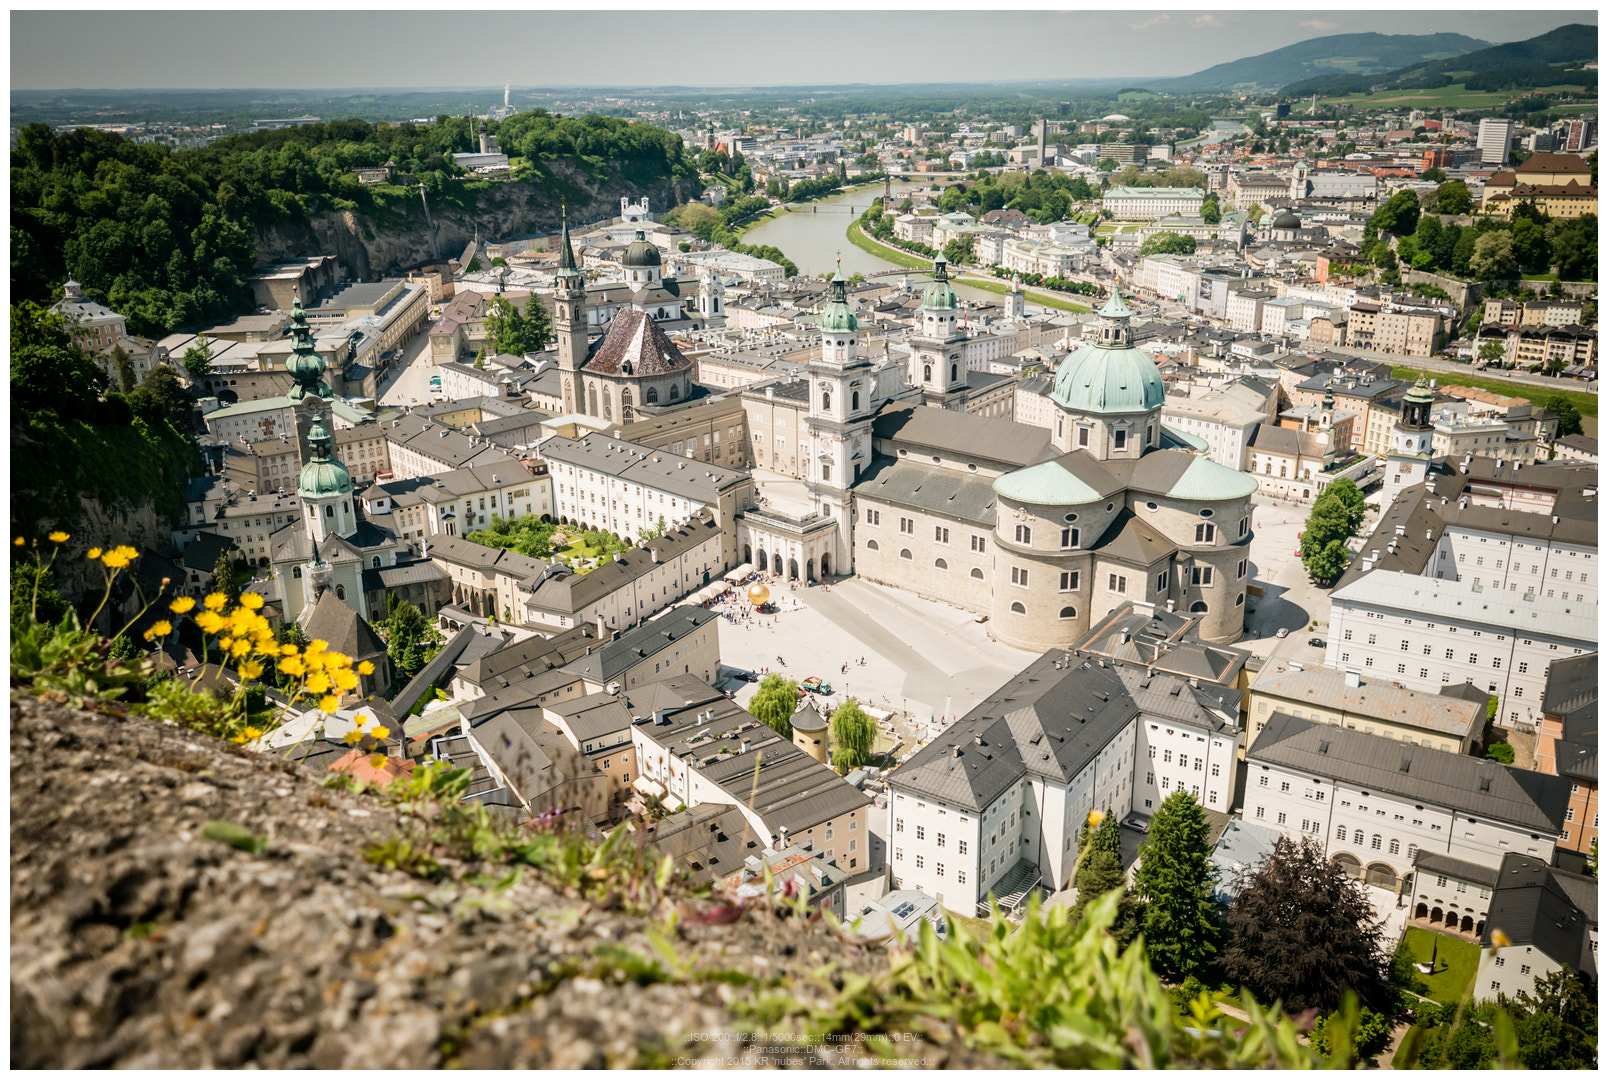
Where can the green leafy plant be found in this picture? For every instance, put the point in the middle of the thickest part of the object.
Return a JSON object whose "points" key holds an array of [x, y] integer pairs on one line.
{"points": [[236, 836]]}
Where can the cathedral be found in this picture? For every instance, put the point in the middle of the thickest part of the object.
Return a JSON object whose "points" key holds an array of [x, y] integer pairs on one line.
{"points": [[1042, 532]]}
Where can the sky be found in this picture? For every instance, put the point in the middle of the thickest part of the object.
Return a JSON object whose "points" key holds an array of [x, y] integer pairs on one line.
{"points": [[394, 46]]}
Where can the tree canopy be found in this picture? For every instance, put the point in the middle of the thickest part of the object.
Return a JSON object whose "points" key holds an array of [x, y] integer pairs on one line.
{"points": [[853, 735], [1174, 880], [775, 702], [1303, 931], [1168, 243]]}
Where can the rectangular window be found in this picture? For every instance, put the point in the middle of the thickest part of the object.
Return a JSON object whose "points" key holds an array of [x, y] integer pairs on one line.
{"points": [[1117, 583], [1069, 580], [1119, 439], [1024, 535], [907, 526], [1205, 533], [1069, 538], [940, 534], [1200, 575], [1019, 577], [921, 832], [1083, 436], [978, 543], [873, 517], [1161, 581]]}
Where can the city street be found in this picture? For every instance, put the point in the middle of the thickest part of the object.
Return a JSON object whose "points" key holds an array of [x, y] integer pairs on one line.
{"points": [[408, 381]]}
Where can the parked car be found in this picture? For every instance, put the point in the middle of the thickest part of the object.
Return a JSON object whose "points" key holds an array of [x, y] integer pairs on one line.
{"points": [[1317, 643], [1284, 631]]}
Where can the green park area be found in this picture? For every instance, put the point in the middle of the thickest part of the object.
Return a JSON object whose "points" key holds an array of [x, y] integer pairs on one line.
{"points": [[892, 254], [1454, 96], [1455, 962], [1585, 402]]}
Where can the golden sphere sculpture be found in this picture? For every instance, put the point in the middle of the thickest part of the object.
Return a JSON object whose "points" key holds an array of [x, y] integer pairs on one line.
{"points": [[757, 595]]}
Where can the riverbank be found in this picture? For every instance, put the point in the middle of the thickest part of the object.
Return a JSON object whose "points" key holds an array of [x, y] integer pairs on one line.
{"points": [[859, 239]]}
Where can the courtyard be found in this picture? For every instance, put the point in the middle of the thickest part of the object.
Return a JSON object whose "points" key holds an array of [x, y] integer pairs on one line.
{"points": [[1455, 962]]}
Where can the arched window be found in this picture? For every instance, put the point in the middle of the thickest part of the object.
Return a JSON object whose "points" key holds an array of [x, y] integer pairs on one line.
{"points": [[954, 372], [926, 373], [1069, 613], [376, 561], [295, 571], [826, 400], [1018, 609], [591, 401], [625, 404], [340, 592], [1395, 847], [904, 553], [608, 406], [651, 396], [675, 393], [854, 401], [872, 545], [940, 564], [329, 510], [1198, 607], [1356, 836], [977, 573]]}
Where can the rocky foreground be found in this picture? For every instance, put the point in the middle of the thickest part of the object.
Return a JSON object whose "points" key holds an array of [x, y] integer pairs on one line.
{"points": [[136, 942]]}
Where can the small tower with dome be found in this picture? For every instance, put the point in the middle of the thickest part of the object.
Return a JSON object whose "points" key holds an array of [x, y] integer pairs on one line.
{"points": [[325, 489], [1412, 441], [841, 412], [1108, 394], [712, 299], [938, 346]]}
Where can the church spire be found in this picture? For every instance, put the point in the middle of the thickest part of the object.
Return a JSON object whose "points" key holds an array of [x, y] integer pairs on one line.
{"points": [[305, 365], [566, 254]]}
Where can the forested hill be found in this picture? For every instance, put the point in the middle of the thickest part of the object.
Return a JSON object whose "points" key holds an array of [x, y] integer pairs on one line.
{"points": [[169, 237], [1354, 54], [1552, 58]]}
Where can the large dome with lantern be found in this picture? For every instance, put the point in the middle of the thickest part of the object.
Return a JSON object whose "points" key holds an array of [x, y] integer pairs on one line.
{"points": [[1107, 374]]}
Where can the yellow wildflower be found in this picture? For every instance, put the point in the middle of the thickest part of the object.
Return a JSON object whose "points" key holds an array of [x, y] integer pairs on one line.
{"points": [[160, 628], [58, 537], [253, 733], [215, 601], [94, 553], [377, 760], [240, 648], [315, 647], [360, 720], [115, 559], [365, 668], [288, 649], [380, 732], [329, 703], [1095, 817], [210, 622], [1500, 940], [318, 683], [251, 669], [339, 659], [353, 737], [250, 600], [345, 680], [291, 665], [238, 738], [19, 541], [182, 604]]}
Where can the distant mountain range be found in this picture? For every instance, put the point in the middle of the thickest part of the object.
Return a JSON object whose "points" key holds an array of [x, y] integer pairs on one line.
{"points": [[1336, 54], [1539, 61]]}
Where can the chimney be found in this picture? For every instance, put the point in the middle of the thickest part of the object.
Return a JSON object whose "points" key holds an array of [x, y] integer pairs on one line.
{"points": [[956, 748], [1353, 677], [602, 631], [744, 749]]}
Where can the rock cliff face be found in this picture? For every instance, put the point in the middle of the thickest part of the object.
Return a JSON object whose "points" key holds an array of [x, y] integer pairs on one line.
{"points": [[137, 942], [372, 246]]}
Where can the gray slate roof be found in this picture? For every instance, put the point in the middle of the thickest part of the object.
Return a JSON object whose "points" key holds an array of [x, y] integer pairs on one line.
{"points": [[929, 488], [654, 469], [1532, 907], [1003, 442], [611, 658], [1443, 778], [343, 628], [1433, 862]]}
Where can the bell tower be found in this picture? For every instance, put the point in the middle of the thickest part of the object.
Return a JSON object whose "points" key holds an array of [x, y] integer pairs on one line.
{"points": [[839, 418], [1412, 440], [938, 347], [569, 301]]}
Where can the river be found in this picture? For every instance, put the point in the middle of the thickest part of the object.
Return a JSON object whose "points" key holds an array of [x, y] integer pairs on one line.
{"points": [[1219, 129], [813, 236]]}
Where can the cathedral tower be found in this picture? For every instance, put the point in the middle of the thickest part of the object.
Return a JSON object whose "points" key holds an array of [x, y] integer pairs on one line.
{"points": [[938, 347], [569, 301], [839, 418]]}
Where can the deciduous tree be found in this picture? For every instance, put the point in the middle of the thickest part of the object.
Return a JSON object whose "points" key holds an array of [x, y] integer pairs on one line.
{"points": [[775, 702], [853, 735], [1303, 931]]}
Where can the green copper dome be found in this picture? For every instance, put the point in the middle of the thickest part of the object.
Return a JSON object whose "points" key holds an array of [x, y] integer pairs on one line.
{"points": [[1420, 392], [1107, 375], [1046, 484], [939, 295], [837, 316], [323, 475]]}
